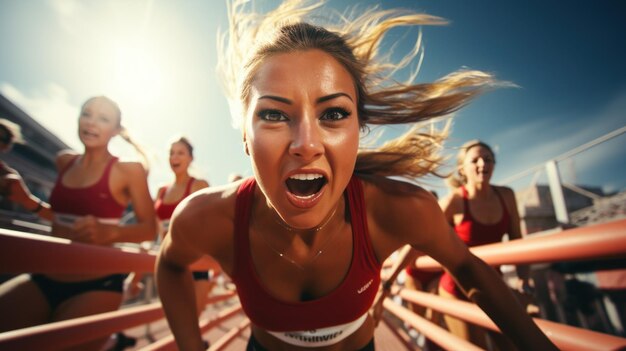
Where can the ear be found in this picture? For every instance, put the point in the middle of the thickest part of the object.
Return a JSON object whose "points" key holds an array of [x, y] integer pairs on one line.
{"points": [[460, 172]]}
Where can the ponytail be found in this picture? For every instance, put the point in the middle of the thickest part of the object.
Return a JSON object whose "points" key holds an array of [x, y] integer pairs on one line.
{"points": [[140, 150], [412, 155]]}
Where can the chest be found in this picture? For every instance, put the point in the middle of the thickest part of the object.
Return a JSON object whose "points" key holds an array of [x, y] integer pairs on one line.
{"points": [[298, 272], [174, 193], [483, 211], [78, 176], [97, 178]]}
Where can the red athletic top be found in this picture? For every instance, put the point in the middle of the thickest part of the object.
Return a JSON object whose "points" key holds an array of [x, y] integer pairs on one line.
{"points": [[163, 210], [95, 200], [349, 301], [474, 233]]}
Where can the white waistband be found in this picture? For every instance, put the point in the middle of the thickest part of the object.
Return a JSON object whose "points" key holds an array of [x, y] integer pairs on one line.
{"points": [[320, 337], [69, 219]]}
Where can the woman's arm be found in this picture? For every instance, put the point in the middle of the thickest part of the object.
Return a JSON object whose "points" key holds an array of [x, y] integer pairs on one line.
{"points": [[157, 221], [515, 233], [451, 205], [176, 291], [145, 228], [19, 193], [189, 239], [417, 219], [406, 256]]}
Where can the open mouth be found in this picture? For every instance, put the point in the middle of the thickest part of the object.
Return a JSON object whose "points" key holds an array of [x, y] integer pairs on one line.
{"points": [[305, 185]]}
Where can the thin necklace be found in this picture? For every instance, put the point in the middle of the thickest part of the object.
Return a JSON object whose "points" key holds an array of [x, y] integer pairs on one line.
{"points": [[317, 254]]}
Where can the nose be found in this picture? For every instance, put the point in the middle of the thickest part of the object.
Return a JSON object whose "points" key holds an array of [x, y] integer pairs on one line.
{"points": [[87, 120], [306, 140], [481, 162]]}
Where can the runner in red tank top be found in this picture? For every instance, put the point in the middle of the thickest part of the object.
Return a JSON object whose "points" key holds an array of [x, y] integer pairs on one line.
{"points": [[289, 237], [89, 197], [476, 233], [170, 196], [481, 214], [165, 210], [349, 301]]}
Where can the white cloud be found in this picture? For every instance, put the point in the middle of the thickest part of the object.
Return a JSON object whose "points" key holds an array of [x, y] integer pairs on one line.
{"points": [[98, 19], [71, 15], [548, 138]]}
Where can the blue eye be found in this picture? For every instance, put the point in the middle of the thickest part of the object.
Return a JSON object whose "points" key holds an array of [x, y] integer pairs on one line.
{"points": [[272, 115], [335, 114]]}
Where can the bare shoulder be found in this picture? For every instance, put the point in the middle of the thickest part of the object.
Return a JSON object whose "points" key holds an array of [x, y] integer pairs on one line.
{"points": [[508, 195], [162, 187], [130, 167], [401, 211], [504, 190], [199, 184], [452, 203], [206, 201], [64, 157], [205, 220], [129, 173]]}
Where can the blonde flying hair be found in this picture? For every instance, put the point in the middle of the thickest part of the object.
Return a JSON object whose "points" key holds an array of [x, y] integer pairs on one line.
{"points": [[458, 179], [354, 41], [124, 134]]}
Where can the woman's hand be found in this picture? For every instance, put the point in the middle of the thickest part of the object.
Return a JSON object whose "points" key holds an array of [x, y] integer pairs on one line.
{"points": [[86, 230], [13, 187], [89, 230], [377, 308]]}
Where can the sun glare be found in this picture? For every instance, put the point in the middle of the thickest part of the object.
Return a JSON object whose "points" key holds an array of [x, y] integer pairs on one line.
{"points": [[137, 73]]}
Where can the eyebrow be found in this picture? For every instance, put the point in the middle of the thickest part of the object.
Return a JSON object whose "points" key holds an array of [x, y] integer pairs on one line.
{"points": [[332, 96], [319, 100]]}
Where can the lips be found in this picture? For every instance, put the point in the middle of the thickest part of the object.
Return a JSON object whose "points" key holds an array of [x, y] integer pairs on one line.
{"points": [[89, 134], [305, 185], [305, 189]]}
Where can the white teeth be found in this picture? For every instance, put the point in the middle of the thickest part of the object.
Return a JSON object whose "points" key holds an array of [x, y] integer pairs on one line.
{"points": [[306, 176], [304, 197]]}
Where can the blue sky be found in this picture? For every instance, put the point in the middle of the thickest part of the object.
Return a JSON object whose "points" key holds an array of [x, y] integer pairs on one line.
{"points": [[157, 59]]}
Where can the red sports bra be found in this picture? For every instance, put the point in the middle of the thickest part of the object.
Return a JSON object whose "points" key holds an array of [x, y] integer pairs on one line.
{"points": [[474, 233], [95, 200], [163, 210], [349, 301]]}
